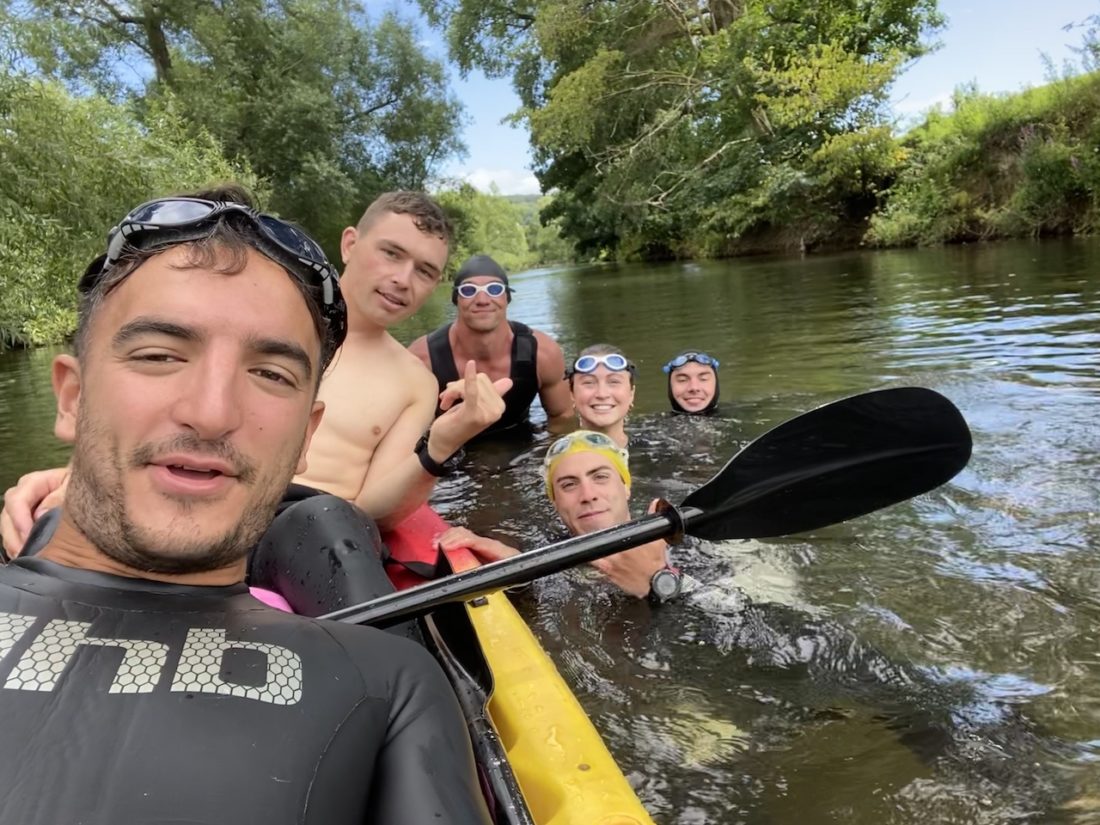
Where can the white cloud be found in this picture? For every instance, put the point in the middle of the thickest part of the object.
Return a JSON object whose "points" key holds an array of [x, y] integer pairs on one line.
{"points": [[508, 181], [910, 106]]}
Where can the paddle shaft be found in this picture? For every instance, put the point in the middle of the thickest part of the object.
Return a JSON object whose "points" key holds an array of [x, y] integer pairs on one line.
{"points": [[469, 584]]}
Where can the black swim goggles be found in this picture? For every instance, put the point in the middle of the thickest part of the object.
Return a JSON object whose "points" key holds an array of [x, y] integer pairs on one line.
{"points": [[169, 221], [697, 357], [612, 360], [494, 289]]}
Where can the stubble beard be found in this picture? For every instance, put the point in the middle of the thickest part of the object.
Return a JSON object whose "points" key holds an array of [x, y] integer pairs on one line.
{"points": [[483, 323], [96, 504]]}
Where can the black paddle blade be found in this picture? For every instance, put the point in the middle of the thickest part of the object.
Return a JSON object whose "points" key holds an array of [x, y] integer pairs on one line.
{"points": [[832, 464]]}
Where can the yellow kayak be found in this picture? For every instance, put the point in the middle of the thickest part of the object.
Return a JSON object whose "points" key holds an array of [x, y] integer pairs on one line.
{"points": [[562, 767]]}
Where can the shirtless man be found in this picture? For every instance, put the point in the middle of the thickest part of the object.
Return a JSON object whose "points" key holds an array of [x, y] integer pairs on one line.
{"points": [[502, 349], [379, 399]]}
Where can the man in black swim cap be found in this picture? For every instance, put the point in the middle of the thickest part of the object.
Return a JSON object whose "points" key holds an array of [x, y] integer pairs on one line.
{"points": [[502, 349], [692, 383]]}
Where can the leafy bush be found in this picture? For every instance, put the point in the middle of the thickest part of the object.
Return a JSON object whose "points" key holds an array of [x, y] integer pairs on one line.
{"points": [[1024, 164], [73, 167], [486, 225]]}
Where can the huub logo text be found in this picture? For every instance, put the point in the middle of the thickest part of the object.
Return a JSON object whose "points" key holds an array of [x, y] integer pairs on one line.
{"points": [[42, 664]]}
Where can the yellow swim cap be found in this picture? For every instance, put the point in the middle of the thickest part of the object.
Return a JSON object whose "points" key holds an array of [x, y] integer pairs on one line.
{"points": [[585, 441]]}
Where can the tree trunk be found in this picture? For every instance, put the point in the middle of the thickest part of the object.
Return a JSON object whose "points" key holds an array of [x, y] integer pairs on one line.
{"points": [[158, 42]]}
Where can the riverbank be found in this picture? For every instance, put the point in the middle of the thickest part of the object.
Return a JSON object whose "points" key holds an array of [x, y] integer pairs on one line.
{"points": [[996, 167]]}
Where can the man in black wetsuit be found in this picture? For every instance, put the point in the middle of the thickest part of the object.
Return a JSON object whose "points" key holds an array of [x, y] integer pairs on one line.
{"points": [[140, 680], [502, 349]]}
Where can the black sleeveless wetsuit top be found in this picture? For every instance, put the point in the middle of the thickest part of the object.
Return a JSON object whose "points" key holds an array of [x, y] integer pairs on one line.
{"points": [[524, 373], [129, 701]]}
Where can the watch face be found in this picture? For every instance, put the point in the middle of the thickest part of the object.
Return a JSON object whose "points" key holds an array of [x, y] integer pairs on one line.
{"points": [[665, 584]]}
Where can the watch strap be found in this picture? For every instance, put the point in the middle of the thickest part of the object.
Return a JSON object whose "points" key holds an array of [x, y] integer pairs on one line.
{"points": [[433, 467]]}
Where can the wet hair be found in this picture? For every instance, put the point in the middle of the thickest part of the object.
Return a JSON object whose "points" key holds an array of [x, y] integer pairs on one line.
{"points": [[428, 215], [676, 408], [599, 349], [224, 250]]}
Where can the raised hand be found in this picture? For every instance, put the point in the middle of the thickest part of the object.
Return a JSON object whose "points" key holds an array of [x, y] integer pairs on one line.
{"points": [[472, 403], [631, 570]]}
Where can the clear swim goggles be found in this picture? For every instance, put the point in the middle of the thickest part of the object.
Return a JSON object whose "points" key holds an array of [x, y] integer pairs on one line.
{"points": [[594, 439], [697, 357], [167, 221], [494, 289], [612, 360]]}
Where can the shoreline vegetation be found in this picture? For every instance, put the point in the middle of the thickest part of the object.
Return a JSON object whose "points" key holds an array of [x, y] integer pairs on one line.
{"points": [[661, 130]]}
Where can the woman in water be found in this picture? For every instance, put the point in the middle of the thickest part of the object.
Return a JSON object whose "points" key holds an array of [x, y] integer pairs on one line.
{"points": [[601, 381], [692, 383]]}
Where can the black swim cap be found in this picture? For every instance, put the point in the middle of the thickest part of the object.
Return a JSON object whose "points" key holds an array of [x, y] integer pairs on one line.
{"points": [[676, 408], [479, 265]]}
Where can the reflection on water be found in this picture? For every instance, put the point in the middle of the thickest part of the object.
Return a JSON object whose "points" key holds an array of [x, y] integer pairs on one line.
{"points": [[26, 415], [935, 662]]}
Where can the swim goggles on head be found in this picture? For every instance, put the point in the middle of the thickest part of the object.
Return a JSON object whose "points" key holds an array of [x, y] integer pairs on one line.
{"points": [[612, 360], [178, 220], [581, 441], [494, 289], [591, 437], [697, 357]]}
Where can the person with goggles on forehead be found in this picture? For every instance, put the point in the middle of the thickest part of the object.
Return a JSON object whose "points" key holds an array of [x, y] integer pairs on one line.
{"points": [[142, 682], [502, 349], [601, 383], [692, 383], [587, 479], [381, 446]]}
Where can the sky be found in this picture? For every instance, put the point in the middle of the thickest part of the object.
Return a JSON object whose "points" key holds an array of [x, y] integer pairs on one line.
{"points": [[1000, 44]]}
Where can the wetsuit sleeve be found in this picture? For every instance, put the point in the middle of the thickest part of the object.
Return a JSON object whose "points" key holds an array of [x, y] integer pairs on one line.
{"points": [[425, 771]]}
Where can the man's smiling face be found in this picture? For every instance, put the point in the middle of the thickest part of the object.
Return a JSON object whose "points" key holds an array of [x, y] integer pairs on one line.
{"points": [[589, 493], [191, 407]]}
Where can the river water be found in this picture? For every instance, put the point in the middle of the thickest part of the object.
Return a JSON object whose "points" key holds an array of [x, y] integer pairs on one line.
{"points": [[934, 662]]}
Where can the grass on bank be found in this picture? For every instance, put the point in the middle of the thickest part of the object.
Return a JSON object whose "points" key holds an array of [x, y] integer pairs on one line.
{"points": [[1026, 164]]}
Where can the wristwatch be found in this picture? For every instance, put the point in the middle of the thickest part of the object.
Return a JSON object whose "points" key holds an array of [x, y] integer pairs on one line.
{"points": [[665, 585], [448, 468]]}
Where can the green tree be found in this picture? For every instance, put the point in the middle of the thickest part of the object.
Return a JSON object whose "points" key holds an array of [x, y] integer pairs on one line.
{"points": [[73, 167], [544, 239], [671, 127], [999, 166], [486, 224], [325, 106]]}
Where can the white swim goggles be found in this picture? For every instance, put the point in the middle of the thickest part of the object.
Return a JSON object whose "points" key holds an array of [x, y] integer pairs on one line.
{"points": [[614, 361], [494, 289]]}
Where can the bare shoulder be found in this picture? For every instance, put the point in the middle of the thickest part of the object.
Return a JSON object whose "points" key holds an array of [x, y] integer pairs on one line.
{"points": [[414, 371], [362, 369], [546, 341], [419, 348], [549, 353]]}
